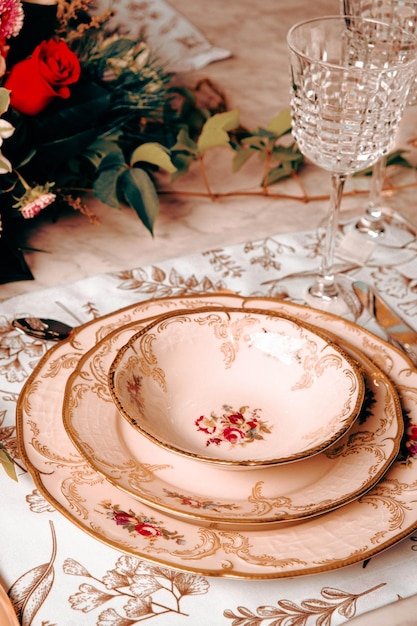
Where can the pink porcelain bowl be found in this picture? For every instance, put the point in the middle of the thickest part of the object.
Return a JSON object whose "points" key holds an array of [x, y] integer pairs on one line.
{"points": [[240, 388]]}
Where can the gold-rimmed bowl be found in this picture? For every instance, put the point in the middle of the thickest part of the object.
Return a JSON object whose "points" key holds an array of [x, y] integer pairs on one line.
{"points": [[239, 388]]}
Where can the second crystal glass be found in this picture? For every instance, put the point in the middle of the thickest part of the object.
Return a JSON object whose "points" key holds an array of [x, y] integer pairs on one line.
{"points": [[380, 222], [350, 81]]}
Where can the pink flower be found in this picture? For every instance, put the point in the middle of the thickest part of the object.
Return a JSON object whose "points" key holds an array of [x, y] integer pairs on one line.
{"points": [[33, 208], [11, 18], [34, 199]]}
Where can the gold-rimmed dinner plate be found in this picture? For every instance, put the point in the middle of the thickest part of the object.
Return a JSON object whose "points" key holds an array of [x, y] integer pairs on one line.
{"points": [[186, 488], [356, 531]]}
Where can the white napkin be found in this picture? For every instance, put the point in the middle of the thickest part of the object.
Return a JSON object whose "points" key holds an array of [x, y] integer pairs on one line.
{"points": [[176, 42]]}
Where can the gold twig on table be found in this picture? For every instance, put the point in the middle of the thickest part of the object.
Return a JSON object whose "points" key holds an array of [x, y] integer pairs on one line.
{"points": [[306, 198]]}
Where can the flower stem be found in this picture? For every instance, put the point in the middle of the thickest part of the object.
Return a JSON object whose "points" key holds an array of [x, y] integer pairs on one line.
{"points": [[205, 178]]}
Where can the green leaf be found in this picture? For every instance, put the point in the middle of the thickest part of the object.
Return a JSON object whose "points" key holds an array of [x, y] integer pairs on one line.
{"points": [[7, 462], [278, 173], [282, 153], [153, 153], [4, 100], [240, 158], [214, 132], [185, 143], [106, 184], [100, 148], [54, 153], [182, 164], [281, 124], [140, 194], [113, 160], [256, 142]]}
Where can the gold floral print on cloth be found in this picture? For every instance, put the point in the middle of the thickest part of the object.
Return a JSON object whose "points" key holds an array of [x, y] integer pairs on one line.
{"points": [[382, 517], [135, 590]]}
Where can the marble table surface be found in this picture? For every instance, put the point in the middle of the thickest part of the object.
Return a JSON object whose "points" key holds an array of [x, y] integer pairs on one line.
{"points": [[255, 79]]}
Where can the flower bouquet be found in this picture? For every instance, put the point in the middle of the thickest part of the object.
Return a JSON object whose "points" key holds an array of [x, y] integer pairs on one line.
{"points": [[87, 109], [77, 100]]}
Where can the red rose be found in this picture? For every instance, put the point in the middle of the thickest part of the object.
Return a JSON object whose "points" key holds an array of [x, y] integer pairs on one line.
{"points": [[36, 81], [147, 530], [232, 434], [236, 418]]}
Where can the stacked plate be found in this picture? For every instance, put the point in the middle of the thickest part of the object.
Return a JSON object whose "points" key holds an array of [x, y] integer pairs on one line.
{"points": [[228, 436]]}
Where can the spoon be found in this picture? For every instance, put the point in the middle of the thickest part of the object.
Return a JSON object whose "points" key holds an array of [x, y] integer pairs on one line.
{"points": [[42, 328]]}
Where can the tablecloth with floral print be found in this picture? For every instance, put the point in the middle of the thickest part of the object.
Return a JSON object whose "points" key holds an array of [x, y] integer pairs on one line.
{"points": [[67, 578]]}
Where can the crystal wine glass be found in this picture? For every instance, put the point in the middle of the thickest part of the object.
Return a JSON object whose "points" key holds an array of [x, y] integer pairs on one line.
{"points": [[379, 221], [350, 82]]}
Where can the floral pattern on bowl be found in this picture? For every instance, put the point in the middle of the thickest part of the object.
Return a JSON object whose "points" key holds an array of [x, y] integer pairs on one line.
{"points": [[233, 426]]}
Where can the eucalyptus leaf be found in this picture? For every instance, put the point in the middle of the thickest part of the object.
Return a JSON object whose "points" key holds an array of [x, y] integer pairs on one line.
{"points": [[214, 132], [139, 193], [281, 124], [153, 153]]}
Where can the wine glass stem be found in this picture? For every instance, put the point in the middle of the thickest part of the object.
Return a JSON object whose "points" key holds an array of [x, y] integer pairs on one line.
{"points": [[372, 223], [325, 286]]}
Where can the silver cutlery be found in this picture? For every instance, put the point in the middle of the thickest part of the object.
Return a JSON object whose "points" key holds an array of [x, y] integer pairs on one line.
{"points": [[398, 332], [42, 328]]}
